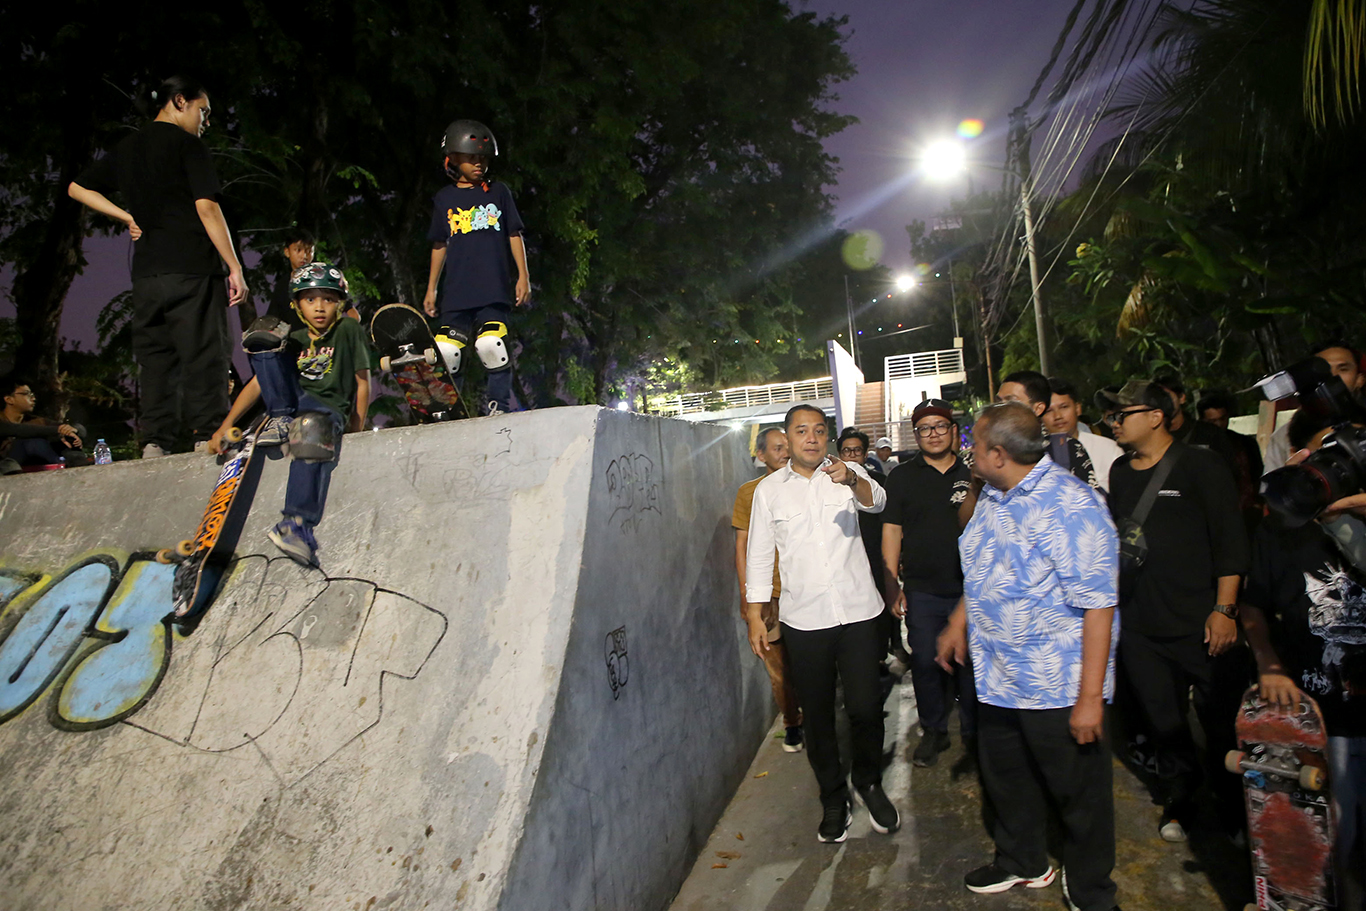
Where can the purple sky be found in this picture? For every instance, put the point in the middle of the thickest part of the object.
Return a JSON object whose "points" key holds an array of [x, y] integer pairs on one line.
{"points": [[923, 66]]}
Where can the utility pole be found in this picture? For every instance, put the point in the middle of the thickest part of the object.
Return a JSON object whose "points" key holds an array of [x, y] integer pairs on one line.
{"points": [[1019, 141]]}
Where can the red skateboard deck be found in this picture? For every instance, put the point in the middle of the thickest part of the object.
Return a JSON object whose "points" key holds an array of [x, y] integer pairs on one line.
{"points": [[1284, 764], [408, 352]]}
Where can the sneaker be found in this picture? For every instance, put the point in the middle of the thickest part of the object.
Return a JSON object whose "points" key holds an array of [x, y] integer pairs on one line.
{"points": [[1171, 830], [792, 740], [991, 879], [294, 536], [201, 446], [275, 431], [881, 812], [835, 822], [898, 667], [927, 751], [153, 451]]}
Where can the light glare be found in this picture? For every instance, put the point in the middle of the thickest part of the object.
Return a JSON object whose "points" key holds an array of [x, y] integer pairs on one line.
{"points": [[944, 160], [905, 282]]}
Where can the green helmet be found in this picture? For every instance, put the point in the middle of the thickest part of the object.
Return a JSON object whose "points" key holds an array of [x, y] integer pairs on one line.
{"points": [[317, 275]]}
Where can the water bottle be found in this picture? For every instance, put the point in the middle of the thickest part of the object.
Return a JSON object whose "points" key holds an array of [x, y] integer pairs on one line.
{"points": [[102, 454]]}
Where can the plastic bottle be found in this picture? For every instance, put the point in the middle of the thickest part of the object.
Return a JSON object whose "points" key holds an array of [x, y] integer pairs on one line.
{"points": [[102, 454]]}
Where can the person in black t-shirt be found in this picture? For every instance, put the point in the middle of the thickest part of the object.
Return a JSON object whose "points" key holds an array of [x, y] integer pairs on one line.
{"points": [[180, 243], [296, 248], [920, 536], [1246, 469], [476, 237], [852, 446], [1304, 612], [1178, 611]]}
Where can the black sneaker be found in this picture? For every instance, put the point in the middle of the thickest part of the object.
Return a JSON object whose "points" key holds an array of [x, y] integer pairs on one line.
{"points": [[1067, 896], [992, 879], [792, 740], [835, 822], [927, 751], [881, 812]]}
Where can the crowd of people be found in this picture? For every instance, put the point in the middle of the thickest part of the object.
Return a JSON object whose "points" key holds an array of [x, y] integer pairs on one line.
{"points": [[1073, 590]]}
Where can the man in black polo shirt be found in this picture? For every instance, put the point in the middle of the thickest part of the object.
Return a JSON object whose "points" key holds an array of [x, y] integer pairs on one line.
{"points": [[920, 535], [1178, 610]]}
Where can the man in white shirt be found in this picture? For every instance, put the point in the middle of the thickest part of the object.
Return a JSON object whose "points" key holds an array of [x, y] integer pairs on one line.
{"points": [[809, 510], [1064, 416]]}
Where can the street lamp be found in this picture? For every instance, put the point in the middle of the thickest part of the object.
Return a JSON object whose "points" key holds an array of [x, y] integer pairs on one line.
{"points": [[905, 282], [941, 162]]}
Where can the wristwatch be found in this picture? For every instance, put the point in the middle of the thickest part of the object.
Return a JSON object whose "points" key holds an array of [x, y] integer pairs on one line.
{"points": [[1228, 610]]}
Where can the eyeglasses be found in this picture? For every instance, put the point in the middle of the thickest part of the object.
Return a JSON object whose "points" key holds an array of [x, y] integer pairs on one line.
{"points": [[1116, 418], [28, 395], [932, 430], [852, 451]]}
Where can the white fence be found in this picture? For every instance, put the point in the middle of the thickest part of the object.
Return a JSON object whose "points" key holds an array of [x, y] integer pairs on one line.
{"points": [[746, 396], [924, 363]]}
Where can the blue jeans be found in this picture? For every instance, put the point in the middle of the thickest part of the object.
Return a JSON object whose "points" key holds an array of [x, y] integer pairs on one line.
{"points": [[926, 617], [467, 323], [306, 494]]}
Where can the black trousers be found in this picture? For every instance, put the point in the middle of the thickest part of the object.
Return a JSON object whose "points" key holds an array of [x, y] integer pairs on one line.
{"points": [[1029, 761], [1162, 673], [180, 340], [815, 657]]}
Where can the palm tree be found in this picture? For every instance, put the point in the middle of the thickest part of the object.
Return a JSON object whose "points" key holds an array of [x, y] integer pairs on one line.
{"points": [[1334, 44]]}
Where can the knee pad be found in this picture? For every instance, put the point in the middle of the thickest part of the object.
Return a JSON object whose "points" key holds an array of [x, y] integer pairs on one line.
{"points": [[313, 437], [491, 347], [267, 333], [451, 343]]}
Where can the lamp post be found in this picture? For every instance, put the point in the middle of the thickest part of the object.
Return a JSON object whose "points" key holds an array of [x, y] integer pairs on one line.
{"points": [[946, 159]]}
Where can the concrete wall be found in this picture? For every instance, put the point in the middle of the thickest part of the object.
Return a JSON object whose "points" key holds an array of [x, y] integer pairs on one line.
{"points": [[522, 652]]}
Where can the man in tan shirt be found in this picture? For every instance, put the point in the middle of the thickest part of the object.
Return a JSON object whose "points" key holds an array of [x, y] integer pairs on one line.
{"points": [[771, 449]]}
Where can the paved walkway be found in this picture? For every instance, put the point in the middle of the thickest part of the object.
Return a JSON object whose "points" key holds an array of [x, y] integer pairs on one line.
{"points": [[764, 856]]}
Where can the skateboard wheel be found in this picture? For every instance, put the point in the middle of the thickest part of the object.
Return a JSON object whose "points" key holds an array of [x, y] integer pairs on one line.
{"points": [[185, 548], [234, 435], [429, 355], [1233, 761], [165, 556], [1311, 778], [384, 363]]}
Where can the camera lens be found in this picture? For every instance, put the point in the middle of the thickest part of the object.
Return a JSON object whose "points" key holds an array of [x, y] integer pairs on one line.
{"points": [[1298, 493]]}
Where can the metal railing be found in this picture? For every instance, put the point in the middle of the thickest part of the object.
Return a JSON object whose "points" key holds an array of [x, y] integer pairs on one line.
{"points": [[746, 396], [924, 363]]}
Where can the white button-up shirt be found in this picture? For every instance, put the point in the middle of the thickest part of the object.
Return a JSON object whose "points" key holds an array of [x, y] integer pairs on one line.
{"points": [[814, 525]]}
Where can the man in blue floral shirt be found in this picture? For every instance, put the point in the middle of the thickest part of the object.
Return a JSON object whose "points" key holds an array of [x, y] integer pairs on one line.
{"points": [[1040, 567]]}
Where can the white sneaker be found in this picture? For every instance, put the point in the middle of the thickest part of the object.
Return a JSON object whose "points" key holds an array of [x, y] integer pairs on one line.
{"points": [[1172, 831], [153, 451], [202, 446]]}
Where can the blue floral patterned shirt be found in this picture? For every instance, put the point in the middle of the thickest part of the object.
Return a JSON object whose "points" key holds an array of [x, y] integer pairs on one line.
{"points": [[1035, 558]]}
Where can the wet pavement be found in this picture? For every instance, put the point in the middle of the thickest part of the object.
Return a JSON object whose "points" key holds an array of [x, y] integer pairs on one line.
{"points": [[764, 856]]}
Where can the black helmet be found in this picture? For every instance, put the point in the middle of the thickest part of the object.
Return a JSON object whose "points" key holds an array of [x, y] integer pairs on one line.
{"points": [[469, 137]]}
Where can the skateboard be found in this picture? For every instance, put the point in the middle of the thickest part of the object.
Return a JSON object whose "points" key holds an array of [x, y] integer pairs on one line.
{"points": [[1284, 764], [408, 352], [202, 560]]}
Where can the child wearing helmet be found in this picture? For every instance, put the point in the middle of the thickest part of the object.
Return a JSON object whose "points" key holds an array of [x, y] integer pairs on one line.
{"points": [[314, 381], [476, 237]]}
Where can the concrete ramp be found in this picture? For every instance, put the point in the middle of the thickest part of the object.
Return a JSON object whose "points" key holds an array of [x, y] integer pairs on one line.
{"points": [[519, 680]]}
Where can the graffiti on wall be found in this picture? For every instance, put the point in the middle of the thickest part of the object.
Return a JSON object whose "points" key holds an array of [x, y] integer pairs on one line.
{"points": [[618, 667], [92, 644], [633, 490]]}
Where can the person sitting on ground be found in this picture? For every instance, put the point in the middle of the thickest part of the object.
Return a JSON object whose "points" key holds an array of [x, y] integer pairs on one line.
{"points": [[771, 450], [27, 440], [309, 380]]}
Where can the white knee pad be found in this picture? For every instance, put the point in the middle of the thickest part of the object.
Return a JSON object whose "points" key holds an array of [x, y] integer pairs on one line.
{"points": [[491, 347], [451, 347]]}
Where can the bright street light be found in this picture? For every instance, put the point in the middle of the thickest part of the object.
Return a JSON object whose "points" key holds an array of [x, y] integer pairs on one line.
{"points": [[905, 282], [944, 159]]}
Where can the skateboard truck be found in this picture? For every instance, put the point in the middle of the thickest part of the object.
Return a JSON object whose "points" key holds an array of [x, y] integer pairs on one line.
{"points": [[408, 356]]}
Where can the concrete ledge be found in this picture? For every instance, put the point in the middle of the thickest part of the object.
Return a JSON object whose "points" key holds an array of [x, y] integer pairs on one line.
{"points": [[519, 680]]}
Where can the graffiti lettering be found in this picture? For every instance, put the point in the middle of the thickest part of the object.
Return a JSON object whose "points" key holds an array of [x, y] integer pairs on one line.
{"points": [[314, 648], [618, 668], [632, 489]]}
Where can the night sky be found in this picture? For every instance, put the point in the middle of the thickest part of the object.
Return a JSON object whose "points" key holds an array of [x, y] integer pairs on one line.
{"points": [[923, 66]]}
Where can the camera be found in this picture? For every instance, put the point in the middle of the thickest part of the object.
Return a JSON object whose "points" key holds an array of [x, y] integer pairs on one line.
{"points": [[1298, 493]]}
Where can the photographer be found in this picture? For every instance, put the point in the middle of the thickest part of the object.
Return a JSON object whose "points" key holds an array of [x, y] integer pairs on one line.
{"points": [[1304, 596], [1344, 361], [1178, 608]]}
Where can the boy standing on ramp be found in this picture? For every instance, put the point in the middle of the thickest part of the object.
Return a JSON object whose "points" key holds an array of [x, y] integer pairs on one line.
{"points": [[309, 379], [476, 236]]}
